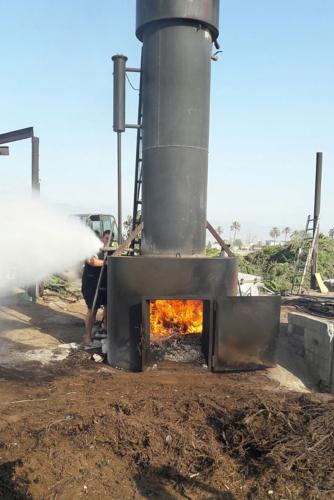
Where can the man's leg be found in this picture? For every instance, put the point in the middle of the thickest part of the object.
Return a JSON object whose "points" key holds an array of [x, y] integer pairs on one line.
{"points": [[89, 323]]}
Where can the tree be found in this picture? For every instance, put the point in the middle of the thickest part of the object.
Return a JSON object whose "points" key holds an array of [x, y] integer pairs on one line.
{"points": [[286, 231], [235, 227], [274, 233], [297, 234], [331, 233]]}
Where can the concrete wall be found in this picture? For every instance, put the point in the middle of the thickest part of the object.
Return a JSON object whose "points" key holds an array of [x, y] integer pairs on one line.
{"points": [[317, 336]]}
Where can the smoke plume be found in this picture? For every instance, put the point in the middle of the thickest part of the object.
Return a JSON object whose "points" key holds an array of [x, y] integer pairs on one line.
{"points": [[37, 241]]}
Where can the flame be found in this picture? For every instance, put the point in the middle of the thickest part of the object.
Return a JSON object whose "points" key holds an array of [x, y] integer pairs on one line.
{"points": [[176, 316]]}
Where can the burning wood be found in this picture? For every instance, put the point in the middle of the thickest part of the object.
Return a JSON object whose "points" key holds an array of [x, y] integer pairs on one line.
{"points": [[168, 317], [177, 348]]}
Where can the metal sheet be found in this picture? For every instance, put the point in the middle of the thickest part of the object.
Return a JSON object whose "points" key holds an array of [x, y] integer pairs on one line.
{"points": [[152, 11], [132, 279], [246, 331]]}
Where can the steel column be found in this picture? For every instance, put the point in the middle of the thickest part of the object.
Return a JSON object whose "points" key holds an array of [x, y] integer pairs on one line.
{"points": [[35, 184], [316, 215], [119, 127]]}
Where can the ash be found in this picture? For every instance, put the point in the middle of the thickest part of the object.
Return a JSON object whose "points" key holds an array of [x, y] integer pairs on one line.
{"points": [[177, 347]]}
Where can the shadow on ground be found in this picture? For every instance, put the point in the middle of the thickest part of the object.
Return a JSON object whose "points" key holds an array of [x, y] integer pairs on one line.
{"points": [[64, 326], [156, 482], [9, 488]]}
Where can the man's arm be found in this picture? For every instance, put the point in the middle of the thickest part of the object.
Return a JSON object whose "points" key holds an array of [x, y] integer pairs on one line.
{"points": [[95, 262]]}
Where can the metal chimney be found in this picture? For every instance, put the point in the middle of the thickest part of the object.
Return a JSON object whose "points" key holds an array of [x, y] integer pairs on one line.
{"points": [[177, 38]]}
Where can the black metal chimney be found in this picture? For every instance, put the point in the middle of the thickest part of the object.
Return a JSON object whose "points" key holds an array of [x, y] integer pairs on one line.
{"points": [[177, 41]]}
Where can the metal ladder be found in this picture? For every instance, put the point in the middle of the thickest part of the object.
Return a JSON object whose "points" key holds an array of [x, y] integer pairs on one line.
{"points": [[304, 256], [137, 199]]}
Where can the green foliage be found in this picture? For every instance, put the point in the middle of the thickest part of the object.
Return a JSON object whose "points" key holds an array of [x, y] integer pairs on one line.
{"points": [[212, 251], [276, 263]]}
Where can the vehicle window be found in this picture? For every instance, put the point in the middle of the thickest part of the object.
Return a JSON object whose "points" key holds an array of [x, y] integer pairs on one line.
{"points": [[96, 226]]}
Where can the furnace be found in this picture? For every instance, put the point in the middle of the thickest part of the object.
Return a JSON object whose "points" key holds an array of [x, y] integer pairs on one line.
{"points": [[172, 271]]}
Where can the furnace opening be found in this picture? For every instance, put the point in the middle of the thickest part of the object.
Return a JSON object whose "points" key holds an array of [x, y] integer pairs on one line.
{"points": [[176, 317]]}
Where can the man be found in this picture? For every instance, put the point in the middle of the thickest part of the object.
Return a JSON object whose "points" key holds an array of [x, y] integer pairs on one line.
{"points": [[90, 278]]}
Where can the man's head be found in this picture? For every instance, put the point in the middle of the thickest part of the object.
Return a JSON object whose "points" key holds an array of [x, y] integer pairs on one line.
{"points": [[105, 237]]}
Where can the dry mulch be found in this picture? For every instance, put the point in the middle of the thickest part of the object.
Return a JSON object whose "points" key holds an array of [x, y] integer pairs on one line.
{"points": [[176, 432]]}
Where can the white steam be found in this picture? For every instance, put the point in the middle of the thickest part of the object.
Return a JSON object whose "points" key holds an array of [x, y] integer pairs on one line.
{"points": [[36, 242]]}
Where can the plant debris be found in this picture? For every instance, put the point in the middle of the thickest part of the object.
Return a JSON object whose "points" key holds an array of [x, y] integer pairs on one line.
{"points": [[173, 433]]}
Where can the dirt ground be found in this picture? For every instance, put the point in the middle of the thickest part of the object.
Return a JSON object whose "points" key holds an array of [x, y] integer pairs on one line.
{"points": [[73, 428]]}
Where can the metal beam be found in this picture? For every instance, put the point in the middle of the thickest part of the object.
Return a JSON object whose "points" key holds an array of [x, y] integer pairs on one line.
{"points": [[17, 135], [316, 215], [4, 151], [35, 166]]}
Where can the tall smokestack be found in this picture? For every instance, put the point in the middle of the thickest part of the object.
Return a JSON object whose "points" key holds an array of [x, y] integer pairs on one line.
{"points": [[177, 38]]}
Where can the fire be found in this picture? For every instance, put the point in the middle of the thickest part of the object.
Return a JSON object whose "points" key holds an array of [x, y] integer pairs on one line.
{"points": [[176, 316]]}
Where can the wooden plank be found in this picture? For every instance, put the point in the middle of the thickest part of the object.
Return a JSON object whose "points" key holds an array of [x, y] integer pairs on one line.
{"points": [[219, 240], [125, 245]]}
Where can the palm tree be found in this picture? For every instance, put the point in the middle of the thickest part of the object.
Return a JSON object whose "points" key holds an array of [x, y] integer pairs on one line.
{"points": [[274, 233], [331, 233], [286, 231], [235, 227]]}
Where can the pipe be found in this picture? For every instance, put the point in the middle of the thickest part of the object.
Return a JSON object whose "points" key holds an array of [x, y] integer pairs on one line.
{"points": [[133, 70], [119, 186], [119, 92]]}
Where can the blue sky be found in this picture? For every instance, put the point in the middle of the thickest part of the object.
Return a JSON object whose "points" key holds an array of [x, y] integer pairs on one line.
{"points": [[272, 106]]}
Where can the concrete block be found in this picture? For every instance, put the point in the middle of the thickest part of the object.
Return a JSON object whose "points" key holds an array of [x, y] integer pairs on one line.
{"points": [[318, 344]]}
